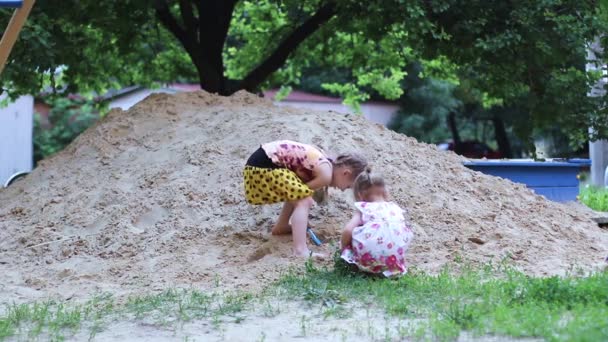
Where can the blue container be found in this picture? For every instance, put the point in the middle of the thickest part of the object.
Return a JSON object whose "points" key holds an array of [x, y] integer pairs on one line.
{"points": [[11, 3], [556, 180]]}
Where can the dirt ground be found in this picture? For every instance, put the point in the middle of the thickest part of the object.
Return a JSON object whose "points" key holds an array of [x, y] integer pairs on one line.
{"points": [[151, 198], [291, 322]]}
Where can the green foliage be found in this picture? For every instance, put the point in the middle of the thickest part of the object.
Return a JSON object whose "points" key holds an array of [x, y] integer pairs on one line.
{"points": [[484, 301], [283, 93], [352, 95], [254, 30], [68, 117], [92, 46], [428, 102], [425, 109], [595, 198]]}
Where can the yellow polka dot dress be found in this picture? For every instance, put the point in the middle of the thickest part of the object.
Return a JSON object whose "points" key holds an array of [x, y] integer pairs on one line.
{"points": [[267, 186], [277, 172]]}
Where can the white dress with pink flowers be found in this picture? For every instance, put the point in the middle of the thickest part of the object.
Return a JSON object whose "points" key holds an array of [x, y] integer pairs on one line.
{"points": [[380, 244]]}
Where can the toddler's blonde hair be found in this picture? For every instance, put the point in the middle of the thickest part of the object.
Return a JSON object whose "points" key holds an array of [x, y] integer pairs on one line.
{"points": [[365, 181]]}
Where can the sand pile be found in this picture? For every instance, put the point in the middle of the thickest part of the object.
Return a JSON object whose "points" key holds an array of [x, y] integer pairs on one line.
{"points": [[151, 198]]}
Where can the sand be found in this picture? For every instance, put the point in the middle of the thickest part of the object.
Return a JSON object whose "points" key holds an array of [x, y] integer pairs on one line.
{"points": [[151, 198]]}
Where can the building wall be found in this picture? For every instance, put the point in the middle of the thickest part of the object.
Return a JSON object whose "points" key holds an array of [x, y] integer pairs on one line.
{"points": [[16, 146], [127, 101]]}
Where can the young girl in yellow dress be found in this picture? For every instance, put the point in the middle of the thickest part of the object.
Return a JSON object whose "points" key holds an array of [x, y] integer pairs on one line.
{"points": [[290, 172]]}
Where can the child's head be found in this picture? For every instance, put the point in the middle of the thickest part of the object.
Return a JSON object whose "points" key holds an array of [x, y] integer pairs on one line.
{"points": [[369, 187], [346, 168]]}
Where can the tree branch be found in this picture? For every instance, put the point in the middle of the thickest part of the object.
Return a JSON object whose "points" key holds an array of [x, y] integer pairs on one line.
{"points": [[214, 16], [224, 20], [166, 18], [287, 46], [190, 22]]}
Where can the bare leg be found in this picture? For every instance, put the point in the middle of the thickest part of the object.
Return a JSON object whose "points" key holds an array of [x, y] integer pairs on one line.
{"points": [[347, 238], [282, 226], [299, 221]]}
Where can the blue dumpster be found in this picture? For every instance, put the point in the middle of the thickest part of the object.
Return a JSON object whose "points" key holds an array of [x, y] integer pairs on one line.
{"points": [[11, 3], [555, 179]]}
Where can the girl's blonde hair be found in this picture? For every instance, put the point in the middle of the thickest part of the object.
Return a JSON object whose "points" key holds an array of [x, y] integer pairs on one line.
{"points": [[365, 181], [355, 162]]}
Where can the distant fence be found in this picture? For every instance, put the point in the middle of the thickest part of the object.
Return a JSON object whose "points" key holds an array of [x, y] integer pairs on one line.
{"points": [[16, 147]]}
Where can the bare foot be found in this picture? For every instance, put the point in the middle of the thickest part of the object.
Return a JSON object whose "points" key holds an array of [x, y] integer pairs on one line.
{"points": [[319, 256], [281, 230], [309, 254]]}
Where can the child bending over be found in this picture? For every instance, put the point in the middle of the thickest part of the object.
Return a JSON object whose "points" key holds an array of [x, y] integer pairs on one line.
{"points": [[290, 172]]}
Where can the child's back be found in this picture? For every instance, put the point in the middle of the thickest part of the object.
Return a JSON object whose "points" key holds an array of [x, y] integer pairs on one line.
{"points": [[378, 236], [381, 212]]}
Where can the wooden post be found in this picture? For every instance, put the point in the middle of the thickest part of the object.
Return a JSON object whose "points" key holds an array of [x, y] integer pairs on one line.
{"points": [[12, 31], [598, 150]]}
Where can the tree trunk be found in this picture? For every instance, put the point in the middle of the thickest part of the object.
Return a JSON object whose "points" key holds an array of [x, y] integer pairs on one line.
{"points": [[213, 25], [454, 130], [203, 38], [500, 133], [211, 80]]}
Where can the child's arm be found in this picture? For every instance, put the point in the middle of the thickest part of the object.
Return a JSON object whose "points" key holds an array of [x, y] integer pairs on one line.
{"points": [[320, 195], [322, 178], [347, 233]]}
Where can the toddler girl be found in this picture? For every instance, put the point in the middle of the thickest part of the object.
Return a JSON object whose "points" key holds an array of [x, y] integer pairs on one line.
{"points": [[290, 172], [378, 236]]}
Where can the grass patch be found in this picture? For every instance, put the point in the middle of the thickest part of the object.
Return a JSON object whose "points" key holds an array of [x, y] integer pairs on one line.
{"points": [[489, 300], [56, 321], [594, 197], [482, 301]]}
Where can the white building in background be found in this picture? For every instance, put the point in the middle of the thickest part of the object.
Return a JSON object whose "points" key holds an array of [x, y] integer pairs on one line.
{"points": [[16, 145], [378, 112], [128, 97]]}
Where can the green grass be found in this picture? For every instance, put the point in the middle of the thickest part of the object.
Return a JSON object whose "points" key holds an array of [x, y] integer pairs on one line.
{"points": [[491, 300], [56, 321], [593, 197]]}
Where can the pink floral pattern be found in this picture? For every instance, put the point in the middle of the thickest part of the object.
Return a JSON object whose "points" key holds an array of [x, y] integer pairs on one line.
{"points": [[297, 157], [379, 245]]}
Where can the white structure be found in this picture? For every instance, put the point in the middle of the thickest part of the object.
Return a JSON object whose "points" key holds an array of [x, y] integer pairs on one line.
{"points": [[16, 146], [378, 112], [128, 97], [598, 150]]}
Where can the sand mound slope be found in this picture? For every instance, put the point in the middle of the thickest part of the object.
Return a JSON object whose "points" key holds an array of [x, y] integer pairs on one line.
{"points": [[151, 198]]}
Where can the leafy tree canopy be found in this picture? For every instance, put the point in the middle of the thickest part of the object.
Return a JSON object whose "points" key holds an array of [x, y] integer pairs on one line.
{"points": [[526, 53]]}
